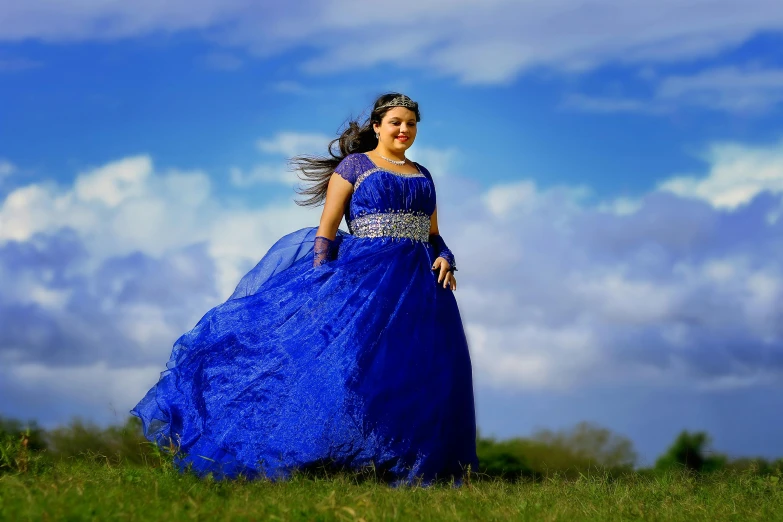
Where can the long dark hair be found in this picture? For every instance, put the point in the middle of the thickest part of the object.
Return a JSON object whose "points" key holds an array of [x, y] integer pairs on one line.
{"points": [[354, 138]]}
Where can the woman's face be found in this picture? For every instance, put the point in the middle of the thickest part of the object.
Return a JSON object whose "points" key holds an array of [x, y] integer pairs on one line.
{"points": [[397, 130]]}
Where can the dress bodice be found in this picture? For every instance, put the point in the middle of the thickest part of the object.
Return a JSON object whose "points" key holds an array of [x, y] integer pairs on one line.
{"points": [[387, 203]]}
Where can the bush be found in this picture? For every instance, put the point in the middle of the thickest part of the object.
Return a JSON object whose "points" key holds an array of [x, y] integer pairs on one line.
{"points": [[569, 454], [689, 451], [591, 443], [115, 443], [503, 459], [36, 436], [21, 447]]}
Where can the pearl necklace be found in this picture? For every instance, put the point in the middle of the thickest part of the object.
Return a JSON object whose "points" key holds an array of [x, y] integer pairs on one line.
{"points": [[396, 162]]}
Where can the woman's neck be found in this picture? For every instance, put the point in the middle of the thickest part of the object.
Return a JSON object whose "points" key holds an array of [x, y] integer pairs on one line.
{"points": [[384, 152]]}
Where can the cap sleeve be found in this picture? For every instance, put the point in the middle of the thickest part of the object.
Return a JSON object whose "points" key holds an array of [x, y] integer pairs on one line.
{"points": [[349, 168]]}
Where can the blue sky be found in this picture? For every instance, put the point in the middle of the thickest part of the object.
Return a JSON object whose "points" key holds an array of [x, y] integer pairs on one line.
{"points": [[610, 177]]}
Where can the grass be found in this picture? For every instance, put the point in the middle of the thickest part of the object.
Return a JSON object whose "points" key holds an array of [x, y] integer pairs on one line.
{"points": [[100, 489]]}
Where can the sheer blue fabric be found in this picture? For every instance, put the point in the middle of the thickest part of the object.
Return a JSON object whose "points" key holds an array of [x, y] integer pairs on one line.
{"points": [[324, 250], [354, 359]]}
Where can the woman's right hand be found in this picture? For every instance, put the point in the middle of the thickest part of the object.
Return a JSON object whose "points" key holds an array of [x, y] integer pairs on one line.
{"points": [[445, 273]]}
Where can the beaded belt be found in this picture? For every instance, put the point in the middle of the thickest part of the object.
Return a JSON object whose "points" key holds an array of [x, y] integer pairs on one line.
{"points": [[392, 224]]}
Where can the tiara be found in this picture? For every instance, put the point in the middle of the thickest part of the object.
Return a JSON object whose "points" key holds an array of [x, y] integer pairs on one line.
{"points": [[399, 101]]}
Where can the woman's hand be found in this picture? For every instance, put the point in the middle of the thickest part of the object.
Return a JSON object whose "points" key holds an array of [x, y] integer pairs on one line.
{"points": [[444, 274]]}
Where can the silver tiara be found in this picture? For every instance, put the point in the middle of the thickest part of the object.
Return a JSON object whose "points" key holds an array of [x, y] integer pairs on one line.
{"points": [[399, 101]]}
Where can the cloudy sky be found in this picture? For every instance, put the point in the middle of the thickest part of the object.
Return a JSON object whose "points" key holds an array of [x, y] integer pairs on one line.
{"points": [[610, 178]]}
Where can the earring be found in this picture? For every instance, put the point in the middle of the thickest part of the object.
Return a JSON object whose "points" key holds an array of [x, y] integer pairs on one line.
{"points": [[377, 135]]}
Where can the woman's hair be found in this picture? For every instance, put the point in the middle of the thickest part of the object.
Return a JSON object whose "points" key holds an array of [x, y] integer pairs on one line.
{"points": [[354, 138]]}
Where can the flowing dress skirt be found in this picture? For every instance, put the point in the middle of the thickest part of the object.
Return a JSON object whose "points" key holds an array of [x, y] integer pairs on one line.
{"points": [[362, 361]]}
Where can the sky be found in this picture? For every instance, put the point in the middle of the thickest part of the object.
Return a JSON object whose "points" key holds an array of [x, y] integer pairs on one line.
{"points": [[609, 174]]}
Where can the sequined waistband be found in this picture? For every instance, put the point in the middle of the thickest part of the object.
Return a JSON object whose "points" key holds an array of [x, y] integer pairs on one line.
{"points": [[392, 224]]}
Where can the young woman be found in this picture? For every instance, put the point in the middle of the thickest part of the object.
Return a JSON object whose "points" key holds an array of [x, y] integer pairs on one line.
{"points": [[338, 349]]}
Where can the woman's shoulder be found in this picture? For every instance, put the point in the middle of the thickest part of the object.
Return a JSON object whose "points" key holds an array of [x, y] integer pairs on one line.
{"points": [[352, 165], [423, 170], [355, 159]]}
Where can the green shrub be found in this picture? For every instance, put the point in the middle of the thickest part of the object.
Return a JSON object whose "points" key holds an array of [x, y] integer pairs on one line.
{"points": [[689, 451], [114, 444], [21, 448], [503, 460], [569, 453]]}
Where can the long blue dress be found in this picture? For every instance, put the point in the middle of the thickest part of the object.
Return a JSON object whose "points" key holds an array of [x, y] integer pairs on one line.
{"points": [[361, 361]]}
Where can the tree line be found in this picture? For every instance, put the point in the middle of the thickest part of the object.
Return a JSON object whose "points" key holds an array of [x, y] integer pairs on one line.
{"points": [[583, 449]]}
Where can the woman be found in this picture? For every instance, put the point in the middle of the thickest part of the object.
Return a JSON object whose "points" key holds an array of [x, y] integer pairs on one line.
{"points": [[338, 349]]}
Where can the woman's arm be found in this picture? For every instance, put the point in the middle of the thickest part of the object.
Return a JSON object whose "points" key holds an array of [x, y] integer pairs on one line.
{"points": [[337, 194], [434, 223], [445, 261]]}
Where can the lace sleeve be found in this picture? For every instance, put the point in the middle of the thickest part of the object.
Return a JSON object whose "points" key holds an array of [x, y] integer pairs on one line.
{"points": [[442, 250], [323, 250], [348, 168]]}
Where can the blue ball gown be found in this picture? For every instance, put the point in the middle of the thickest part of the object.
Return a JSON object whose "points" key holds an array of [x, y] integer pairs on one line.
{"points": [[361, 361]]}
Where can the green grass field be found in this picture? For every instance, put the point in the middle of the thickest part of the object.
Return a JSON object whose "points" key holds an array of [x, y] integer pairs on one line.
{"points": [[81, 489], [85, 472]]}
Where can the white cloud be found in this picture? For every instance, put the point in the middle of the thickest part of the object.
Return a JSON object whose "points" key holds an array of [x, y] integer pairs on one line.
{"points": [[295, 143], [567, 35], [531, 356], [749, 90], [738, 173], [99, 389], [440, 162], [261, 174], [100, 277], [621, 299], [287, 144], [126, 206], [661, 290], [729, 89], [621, 205], [116, 182], [42, 296], [18, 218], [555, 293], [501, 199], [6, 168]]}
